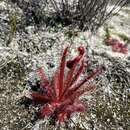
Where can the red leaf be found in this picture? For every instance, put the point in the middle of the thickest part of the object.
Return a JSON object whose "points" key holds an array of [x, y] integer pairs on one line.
{"points": [[81, 50], [78, 106], [72, 65], [62, 68], [85, 89], [86, 79], [119, 47], [40, 98], [46, 111], [79, 72], [57, 85], [44, 79]]}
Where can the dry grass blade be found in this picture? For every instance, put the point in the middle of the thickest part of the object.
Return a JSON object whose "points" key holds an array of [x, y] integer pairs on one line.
{"points": [[86, 14]]}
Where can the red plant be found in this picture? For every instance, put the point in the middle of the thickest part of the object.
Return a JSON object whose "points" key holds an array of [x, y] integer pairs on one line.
{"points": [[117, 46], [120, 48], [60, 96]]}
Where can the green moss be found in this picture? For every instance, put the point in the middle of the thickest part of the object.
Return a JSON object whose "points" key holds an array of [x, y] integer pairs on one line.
{"points": [[107, 35], [123, 37]]}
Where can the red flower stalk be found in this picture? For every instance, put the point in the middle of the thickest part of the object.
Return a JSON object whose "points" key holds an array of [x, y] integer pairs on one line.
{"points": [[116, 45], [60, 97]]}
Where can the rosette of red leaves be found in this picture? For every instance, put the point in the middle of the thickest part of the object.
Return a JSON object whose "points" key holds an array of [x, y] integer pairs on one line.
{"points": [[117, 46], [60, 96]]}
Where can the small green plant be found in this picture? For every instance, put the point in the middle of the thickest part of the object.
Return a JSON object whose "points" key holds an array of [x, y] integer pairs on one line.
{"points": [[13, 27], [13, 24], [107, 31]]}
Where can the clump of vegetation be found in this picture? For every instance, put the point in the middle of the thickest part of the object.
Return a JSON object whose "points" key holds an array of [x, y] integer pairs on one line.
{"points": [[116, 44], [86, 14], [60, 97], [81, 14], [32, 10]]}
